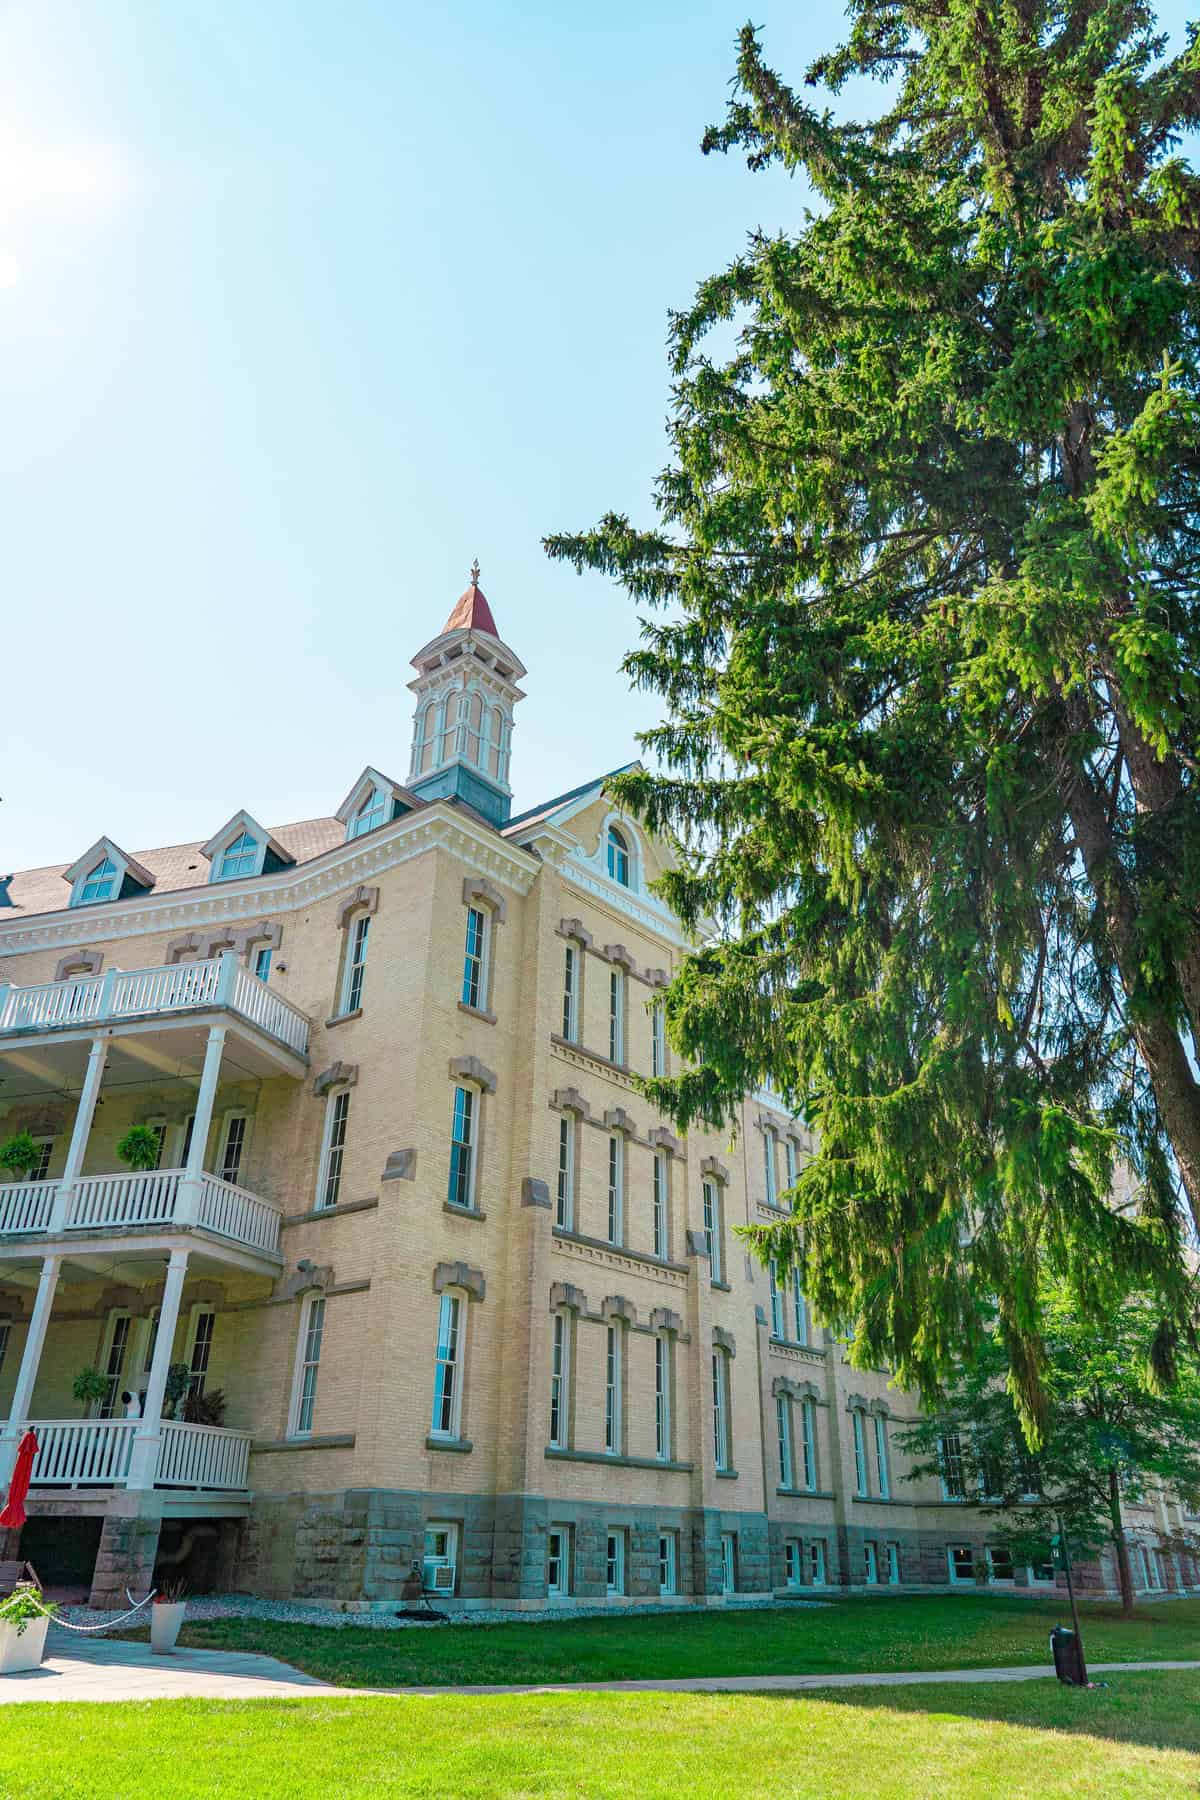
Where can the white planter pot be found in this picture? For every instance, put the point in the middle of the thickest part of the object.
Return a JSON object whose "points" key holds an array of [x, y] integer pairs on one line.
{"points": [[22, 1650], [165, 1619]]}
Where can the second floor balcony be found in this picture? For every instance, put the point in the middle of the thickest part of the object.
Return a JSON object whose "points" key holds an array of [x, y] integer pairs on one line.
{"points": [[122, 1204], [176, 993]]}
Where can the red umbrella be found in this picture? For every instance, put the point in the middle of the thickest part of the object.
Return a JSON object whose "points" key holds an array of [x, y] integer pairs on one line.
{"points": [[14, 1513]]}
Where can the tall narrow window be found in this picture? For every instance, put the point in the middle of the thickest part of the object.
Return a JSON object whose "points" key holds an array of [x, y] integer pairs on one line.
{"points": [[616, 1190], [720, 1399], [235, 1143], [308, 1361], [565, 1201], [777, 1327], [772, 1182], [616, 1016], [668, 1563], [892, 1554], [783, 1420], [200, 1349], [614, 1569], [356, 963], [474, 983], [728, 1562], [871, 1559], [447, 1386], [662, 1205], [570, 1009], [712, 1230], [337, 1118], [5, 1328], [789, 1157], [462, 1149], [612, 1391], [262, 963], [808, 1443], [662, 1397], [558, 1562], [658, 1039], [816, 1563], [799, 1309], [861, 1485], [618, 856], [114, 1361], [559, 1377], [793, 1563], [951, 1459], [881, 1457], [41, 1168]]}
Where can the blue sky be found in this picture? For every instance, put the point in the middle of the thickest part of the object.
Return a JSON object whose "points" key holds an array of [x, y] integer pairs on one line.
{"points": [[302, 307]]}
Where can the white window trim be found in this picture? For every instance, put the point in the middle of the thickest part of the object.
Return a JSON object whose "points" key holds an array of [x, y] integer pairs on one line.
{"points": [[771, 1170], [955, 1579], [713, 1199], [430, 1562], [614, 1389], [862, 1479], [471, 1204], [334, 1095], [617, 1049], [783, 1423], [871, 1562], [560, 1380], [729, 1562], [793, 1563], [564, 1190], [121, 1378], [227, 1119], [661, 1204], [664, 1381], [617, 1540], [616, 1188], [560, 1589], [721, 1436], [817, 1563], [883, 1458], [198, 1311], [357, 938], [572, 977], [669, 1584], [777, 1320], [949, 1498], [294, 1429], [808, 1435], [453, 1432], [658, 1038], [483, 1003]]}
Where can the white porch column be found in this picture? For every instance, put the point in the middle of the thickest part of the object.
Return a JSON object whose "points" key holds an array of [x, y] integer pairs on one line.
{"points": [[189, 1189], [85, 1112], [143, 1463], [31, 1358]]}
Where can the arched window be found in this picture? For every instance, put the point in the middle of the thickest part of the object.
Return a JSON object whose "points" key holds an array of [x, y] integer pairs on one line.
{"points": [[239, 858], [101, 883], [371, 813], [618, 856], [492, 727], [474, 712], [504, 734], [447, 733]]}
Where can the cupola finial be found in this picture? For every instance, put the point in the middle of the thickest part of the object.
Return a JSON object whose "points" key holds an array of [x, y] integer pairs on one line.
{"points": [[475, 573]]}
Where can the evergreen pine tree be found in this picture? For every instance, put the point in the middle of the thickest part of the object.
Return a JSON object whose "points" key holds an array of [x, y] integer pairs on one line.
{"points": [[922, 611]]}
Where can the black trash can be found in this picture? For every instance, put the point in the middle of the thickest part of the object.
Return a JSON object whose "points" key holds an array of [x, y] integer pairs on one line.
{"points": [[1068, 1664]]}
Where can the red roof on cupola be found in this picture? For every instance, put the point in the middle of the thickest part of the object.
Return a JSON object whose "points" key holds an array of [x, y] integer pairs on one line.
{"points": [[472, 611]]}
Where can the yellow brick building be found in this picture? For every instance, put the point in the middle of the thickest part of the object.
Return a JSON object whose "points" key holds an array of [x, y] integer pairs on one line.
{"points": [[473, 1311]]}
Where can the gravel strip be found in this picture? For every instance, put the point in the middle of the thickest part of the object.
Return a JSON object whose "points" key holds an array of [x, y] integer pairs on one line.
{"points": [[245, 1606]]}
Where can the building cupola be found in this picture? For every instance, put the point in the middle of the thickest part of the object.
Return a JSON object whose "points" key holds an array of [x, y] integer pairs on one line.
{"points": [[466, 689]]}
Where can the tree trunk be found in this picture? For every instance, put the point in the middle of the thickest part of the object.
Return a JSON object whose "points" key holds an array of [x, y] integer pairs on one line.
{"points": [[1158, 1040], [1124, 1574]]}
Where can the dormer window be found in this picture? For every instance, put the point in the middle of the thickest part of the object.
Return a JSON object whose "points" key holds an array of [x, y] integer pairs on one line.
{"points": [[101, 883], [244, 847], [618, 856], [371, 813], [106, 872], [241, 858]]}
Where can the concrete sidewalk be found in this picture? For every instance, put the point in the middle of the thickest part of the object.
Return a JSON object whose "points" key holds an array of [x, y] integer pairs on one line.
{"points": [[98, 1668]]}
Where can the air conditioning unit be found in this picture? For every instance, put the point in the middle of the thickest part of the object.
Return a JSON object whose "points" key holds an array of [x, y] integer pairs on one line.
{"points": [[439, 1577]]}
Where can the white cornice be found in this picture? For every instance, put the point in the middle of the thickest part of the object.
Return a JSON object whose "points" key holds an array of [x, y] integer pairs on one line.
{"points": [[440, 826]]}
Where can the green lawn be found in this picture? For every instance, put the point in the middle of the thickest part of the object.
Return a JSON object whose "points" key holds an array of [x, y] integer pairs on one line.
{"points": [[960, 1631], [1135, 1741]]}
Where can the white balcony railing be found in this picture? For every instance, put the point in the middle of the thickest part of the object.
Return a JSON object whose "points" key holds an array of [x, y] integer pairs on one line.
{"points": [[123, 994], [98, 1452], [202, 1456], [127, 1202]]}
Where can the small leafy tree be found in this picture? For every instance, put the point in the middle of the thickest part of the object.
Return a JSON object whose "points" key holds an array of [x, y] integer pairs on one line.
{"points": [[178, 1377], [140, 1148], [1109, 1435], [19, 1154]]}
